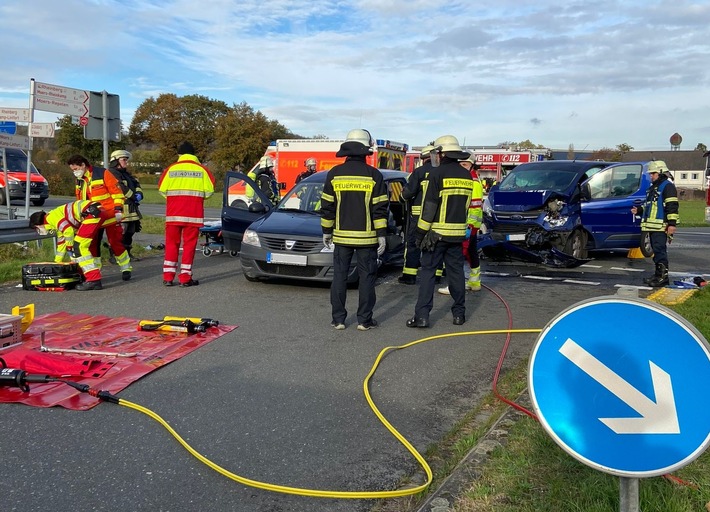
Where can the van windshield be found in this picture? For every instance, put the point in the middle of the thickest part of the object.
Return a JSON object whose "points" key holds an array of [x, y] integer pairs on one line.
{"points": [[519, 179], [16, 161]]}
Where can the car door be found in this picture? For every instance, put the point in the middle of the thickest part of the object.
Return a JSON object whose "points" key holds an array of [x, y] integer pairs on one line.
{"points": [[242, 203], [606, 213]]}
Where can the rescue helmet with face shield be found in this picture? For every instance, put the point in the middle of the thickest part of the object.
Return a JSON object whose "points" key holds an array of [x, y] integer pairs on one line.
{"points": [[361, 136], [449, 146], [311, 164], [120, 153], [426, 151], [266, 162]]}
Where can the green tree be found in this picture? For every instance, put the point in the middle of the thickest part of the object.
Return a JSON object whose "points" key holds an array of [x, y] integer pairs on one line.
{"points": [[168, 120], [69, 139], [701, 147], [606, 154], [242, 136], [624, 148]]}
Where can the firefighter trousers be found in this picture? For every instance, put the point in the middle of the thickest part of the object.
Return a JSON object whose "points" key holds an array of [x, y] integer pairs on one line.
{"points": [[366, 258]]}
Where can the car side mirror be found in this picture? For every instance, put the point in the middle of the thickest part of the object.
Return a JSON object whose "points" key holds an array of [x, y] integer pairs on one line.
{"points": [[585, 191], [257, 207]]}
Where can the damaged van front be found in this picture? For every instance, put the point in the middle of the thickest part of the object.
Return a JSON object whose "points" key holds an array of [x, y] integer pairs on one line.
{"points": [[555, 212]]}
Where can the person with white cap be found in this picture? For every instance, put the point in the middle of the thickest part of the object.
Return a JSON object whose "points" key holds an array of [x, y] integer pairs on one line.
{"points": [[354, 209], [441, 229], [659, 216]]}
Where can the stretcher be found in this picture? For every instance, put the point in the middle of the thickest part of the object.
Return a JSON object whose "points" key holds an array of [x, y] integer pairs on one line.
{"points": [[213, 241]]}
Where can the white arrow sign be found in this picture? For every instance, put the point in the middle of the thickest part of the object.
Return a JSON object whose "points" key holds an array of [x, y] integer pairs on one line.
{"points": [[42, 130], [20, 115], [659, 417]]}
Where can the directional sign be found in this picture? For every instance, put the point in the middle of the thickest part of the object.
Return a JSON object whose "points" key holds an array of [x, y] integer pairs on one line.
{"points": [[42, 130], [62, 100], [621, 385], [14, 141], [9, 127], [20, 115]]}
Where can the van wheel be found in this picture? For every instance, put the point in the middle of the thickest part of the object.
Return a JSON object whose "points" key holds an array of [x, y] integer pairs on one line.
{"points": [[646, 248], [577, 245]]}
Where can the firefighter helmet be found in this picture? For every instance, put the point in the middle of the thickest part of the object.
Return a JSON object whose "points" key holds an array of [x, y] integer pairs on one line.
{"points": [[311, 162], [265, 162], [361, 136], [657, 166], [449, 145], [120, 153]]}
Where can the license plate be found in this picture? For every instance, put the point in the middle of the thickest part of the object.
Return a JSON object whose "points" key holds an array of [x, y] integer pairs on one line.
{"points": [[518, 237], [34, 196], [287, 259]]}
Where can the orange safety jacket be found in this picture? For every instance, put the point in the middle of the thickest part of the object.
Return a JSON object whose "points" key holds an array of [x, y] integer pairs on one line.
{"points": [[185, 185], [101, 185]]}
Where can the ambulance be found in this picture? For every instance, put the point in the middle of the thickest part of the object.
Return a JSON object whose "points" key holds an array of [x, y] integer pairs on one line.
{"points": [[289, 157]]}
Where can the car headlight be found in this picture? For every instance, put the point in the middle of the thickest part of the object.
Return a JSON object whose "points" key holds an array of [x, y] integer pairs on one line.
{"points": [[556, 222], [487, 209], [251, 238]]}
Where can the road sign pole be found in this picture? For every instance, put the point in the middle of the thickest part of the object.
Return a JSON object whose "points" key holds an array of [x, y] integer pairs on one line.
{"points": [[104, 104], [628, 494]]}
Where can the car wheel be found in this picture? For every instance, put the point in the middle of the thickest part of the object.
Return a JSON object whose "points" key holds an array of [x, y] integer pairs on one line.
{"points": [[576, 245], [646, 248], [233, 253], [37, 202]]}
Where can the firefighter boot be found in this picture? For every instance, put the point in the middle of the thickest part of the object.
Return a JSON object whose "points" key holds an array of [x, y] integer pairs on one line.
{"points": [[661, 278], [89, 285]]}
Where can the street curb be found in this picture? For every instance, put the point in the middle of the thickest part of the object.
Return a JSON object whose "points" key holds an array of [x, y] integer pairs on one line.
{"points": [[470, 467]]}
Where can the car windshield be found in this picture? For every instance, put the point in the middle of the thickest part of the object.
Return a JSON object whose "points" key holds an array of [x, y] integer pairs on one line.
{"points": [[538, 178], [17, 162], [304, 197]]}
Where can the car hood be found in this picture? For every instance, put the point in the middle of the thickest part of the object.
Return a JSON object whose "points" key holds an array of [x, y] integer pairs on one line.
{"points": [[289, 223], [522, 201]]}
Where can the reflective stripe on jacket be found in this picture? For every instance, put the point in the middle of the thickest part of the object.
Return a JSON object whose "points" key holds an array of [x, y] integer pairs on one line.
{"points": [[99, 184], [416, 186], [475, 208], [186, 184], [354, 204], [661, 206], [447, 200]]}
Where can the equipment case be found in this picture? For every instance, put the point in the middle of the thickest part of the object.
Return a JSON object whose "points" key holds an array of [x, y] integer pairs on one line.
{"points": [[50, 276]]}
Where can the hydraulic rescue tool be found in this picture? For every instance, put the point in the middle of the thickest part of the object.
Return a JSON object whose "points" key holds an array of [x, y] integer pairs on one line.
{"points": [[178, 324]]}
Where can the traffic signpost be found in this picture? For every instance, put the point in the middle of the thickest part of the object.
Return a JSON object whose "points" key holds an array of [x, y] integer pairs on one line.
{"points": [[20, 115], [14, 141], [9, 127], [61, 100], [621, 385], [42, 130]]}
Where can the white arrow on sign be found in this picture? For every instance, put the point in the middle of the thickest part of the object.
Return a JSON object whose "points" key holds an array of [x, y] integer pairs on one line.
{"points": [[659, 417], [60, 99]]}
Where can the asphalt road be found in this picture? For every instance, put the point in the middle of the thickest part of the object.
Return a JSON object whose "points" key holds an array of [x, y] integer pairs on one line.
{"points": [[279, 399]]}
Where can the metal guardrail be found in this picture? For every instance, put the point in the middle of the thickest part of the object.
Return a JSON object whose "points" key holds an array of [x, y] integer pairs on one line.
{"points": [[18, 230]]}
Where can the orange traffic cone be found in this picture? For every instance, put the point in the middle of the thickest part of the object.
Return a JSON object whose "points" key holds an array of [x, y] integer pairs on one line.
{"points": [[635, 253]]}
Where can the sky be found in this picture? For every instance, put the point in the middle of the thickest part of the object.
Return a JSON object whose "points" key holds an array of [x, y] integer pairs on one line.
{"points": [[590, 74]]}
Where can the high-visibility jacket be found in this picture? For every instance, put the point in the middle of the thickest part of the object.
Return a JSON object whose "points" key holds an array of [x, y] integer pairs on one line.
{"points": [[99, 184], [186, 184], [130, 186], [66, 220], [354, 203], [475, 208], [661, 206], [416, 186], [447, 200]]}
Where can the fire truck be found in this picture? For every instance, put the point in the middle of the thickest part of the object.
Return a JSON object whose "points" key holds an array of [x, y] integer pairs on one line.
{"points": [[494, 163], [289, 156]]}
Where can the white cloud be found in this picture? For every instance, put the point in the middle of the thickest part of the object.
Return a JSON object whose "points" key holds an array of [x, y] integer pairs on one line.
{"points": [[589, 74]]}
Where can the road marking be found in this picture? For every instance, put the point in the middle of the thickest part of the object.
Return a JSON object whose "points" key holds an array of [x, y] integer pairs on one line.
{"points": [[633, 286], [541, 278], [575, 281], [626, 269], [587, 265]]}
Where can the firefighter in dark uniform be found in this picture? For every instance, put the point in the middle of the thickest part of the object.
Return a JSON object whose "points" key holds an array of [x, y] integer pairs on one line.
{"points": [[354, 209], [659, 216], [413, 193], [441, 229], [311, 164]]}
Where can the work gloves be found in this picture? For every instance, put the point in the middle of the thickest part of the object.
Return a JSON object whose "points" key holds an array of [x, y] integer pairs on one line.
{"points": [[328, 240], [138, 197], [381, 245], [426, 241]]}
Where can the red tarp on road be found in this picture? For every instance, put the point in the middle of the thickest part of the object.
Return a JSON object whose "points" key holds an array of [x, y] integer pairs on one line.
{"points": [[152, 349]]}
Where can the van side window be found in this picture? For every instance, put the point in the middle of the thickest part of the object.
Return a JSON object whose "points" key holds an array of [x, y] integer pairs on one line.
{"points": [[617, 181]]}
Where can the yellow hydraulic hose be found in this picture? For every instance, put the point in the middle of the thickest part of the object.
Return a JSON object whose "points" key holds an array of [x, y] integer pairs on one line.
{"points": [[316, 493]]}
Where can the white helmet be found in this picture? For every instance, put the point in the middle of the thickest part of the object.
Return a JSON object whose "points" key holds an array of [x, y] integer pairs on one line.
{"points": [[361, 136], [449, 145], [311, 162], [266, 161], [120, 153], [426, 150]]}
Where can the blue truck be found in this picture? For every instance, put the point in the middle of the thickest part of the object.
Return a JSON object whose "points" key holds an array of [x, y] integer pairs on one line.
{"points": [[555, 211]]}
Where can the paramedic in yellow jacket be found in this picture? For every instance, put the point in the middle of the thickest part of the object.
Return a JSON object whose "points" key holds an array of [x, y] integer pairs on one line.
{"points": [[70, 222], [185, 185]]}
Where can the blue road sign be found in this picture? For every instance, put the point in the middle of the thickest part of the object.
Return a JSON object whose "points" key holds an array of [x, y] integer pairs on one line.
{"points": [[9, 127], [621, 385]]}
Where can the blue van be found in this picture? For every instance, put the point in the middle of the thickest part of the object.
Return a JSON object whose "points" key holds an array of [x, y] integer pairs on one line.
{"points": [[555, 211]]}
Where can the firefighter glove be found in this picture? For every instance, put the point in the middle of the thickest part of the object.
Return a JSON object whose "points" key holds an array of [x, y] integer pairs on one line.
{"points": [[119, 217], [139, 197], [328, 240], [381, 245], [431, 238]]}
